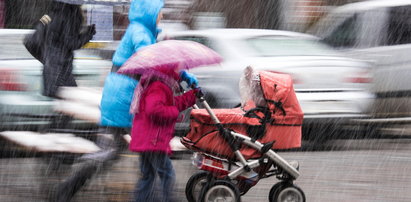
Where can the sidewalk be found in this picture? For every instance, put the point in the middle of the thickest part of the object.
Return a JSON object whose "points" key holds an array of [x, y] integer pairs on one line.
{"points": [[118, 183], [26, 178]]}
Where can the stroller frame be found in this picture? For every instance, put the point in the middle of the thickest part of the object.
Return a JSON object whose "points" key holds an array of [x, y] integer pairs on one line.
{"points": [[235, 140]]}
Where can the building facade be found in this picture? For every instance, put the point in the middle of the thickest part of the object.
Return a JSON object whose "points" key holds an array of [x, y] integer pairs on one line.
{"points": [[296, 15]]}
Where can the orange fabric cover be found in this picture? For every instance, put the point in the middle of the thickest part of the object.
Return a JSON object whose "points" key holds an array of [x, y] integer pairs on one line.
{"points": [[279, 88]]}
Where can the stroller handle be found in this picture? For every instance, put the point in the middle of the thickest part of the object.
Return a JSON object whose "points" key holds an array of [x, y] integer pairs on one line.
{"points": [[208, 108], [200, 97]]}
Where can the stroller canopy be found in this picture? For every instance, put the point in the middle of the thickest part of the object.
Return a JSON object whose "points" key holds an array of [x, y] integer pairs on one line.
{"points": [[272, 90]]}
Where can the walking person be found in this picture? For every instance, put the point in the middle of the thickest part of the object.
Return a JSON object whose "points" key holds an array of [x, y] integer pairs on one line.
{"points": [[64, 35], [144, 15], [57, 35], [116, 119], [156, 109]]}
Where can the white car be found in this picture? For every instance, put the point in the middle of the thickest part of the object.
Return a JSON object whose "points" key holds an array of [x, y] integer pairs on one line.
{"points": [[378, 31], [331, 88]]}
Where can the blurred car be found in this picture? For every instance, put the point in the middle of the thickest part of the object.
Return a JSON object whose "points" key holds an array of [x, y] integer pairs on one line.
{"points": [[21, 104], [378, 31], [331, 88]]}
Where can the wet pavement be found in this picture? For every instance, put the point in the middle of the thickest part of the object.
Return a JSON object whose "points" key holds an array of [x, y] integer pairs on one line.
{"points": [[345, 170]]}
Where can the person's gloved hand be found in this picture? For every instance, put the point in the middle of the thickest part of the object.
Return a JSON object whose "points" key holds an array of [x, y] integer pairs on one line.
{"points": [[88, 33], [198, 92], [92, 29], [190, 79]]}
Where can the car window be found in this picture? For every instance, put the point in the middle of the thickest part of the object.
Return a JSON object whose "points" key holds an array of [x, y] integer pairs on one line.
{"points": [[399, 26], [286, 46], [217, 47], [344, 36], [201, 40]]}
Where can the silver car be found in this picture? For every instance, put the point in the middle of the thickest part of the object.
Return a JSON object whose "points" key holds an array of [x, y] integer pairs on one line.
{"points": [[331, 88], [21, 104], [377, 31]]}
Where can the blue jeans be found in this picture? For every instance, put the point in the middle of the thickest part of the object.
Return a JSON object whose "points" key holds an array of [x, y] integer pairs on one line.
{"points": [[151, 164]]}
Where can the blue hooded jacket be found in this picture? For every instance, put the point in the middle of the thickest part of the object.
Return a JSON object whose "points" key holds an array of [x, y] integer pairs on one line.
{"points": [[142, 30], [119, 89]]}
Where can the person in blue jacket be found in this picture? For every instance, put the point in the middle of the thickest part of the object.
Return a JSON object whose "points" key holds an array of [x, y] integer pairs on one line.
{"points": [[142, 31], [144, 16]]}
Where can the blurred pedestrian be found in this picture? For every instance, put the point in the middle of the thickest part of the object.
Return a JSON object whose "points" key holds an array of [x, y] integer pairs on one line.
{"points": [[64, 34], [144, 15], [156, 109]]}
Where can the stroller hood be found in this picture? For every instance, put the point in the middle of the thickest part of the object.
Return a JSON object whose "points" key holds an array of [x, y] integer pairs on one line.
{"points": [[280, 97], [271, 90]]}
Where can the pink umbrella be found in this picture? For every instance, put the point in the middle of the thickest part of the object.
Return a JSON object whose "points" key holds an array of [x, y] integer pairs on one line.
{"points": [[173, 54]]}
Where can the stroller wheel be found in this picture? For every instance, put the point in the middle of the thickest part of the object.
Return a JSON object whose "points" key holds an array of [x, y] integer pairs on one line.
{"points": [[220, 190], [194, 185], [286, 192]]}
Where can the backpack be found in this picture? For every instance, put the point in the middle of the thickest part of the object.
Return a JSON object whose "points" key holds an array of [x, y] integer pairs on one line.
{"points": [[34, 42]]}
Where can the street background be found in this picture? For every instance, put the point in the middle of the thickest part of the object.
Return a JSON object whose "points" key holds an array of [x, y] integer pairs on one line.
{"points": [[363, 169]]}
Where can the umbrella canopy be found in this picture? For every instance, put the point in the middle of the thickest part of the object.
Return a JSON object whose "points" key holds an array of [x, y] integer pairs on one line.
{"points": [[173, 54], [101, 2]]}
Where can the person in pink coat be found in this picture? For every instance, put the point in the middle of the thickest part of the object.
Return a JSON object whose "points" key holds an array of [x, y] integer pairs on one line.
{"points": [[156, 108]]}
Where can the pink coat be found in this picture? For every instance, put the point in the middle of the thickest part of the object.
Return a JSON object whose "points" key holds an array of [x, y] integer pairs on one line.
{"points": [[153, 126]]}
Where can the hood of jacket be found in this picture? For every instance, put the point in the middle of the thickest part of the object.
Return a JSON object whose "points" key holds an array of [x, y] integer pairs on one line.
{"points": [[167, 75], [145, 12]]}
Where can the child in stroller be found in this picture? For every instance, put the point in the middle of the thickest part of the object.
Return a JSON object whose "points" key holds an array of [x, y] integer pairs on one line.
{"points": [[235, 147]]}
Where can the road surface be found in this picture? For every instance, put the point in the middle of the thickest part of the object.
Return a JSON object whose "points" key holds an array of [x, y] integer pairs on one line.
{"points": [[346, 170]]}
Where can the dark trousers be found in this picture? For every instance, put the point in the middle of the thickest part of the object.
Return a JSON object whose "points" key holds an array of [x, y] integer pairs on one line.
{"points": [[111, 144]]}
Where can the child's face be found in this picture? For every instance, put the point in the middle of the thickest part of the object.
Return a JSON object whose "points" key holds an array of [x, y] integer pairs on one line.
{"points": [[159, 17]]}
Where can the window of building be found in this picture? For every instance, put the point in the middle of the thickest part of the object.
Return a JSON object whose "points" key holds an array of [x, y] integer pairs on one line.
{"points": [[22, 14]]}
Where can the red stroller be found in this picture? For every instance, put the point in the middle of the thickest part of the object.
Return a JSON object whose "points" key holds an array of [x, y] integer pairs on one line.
{"points": [[235, 148]]}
